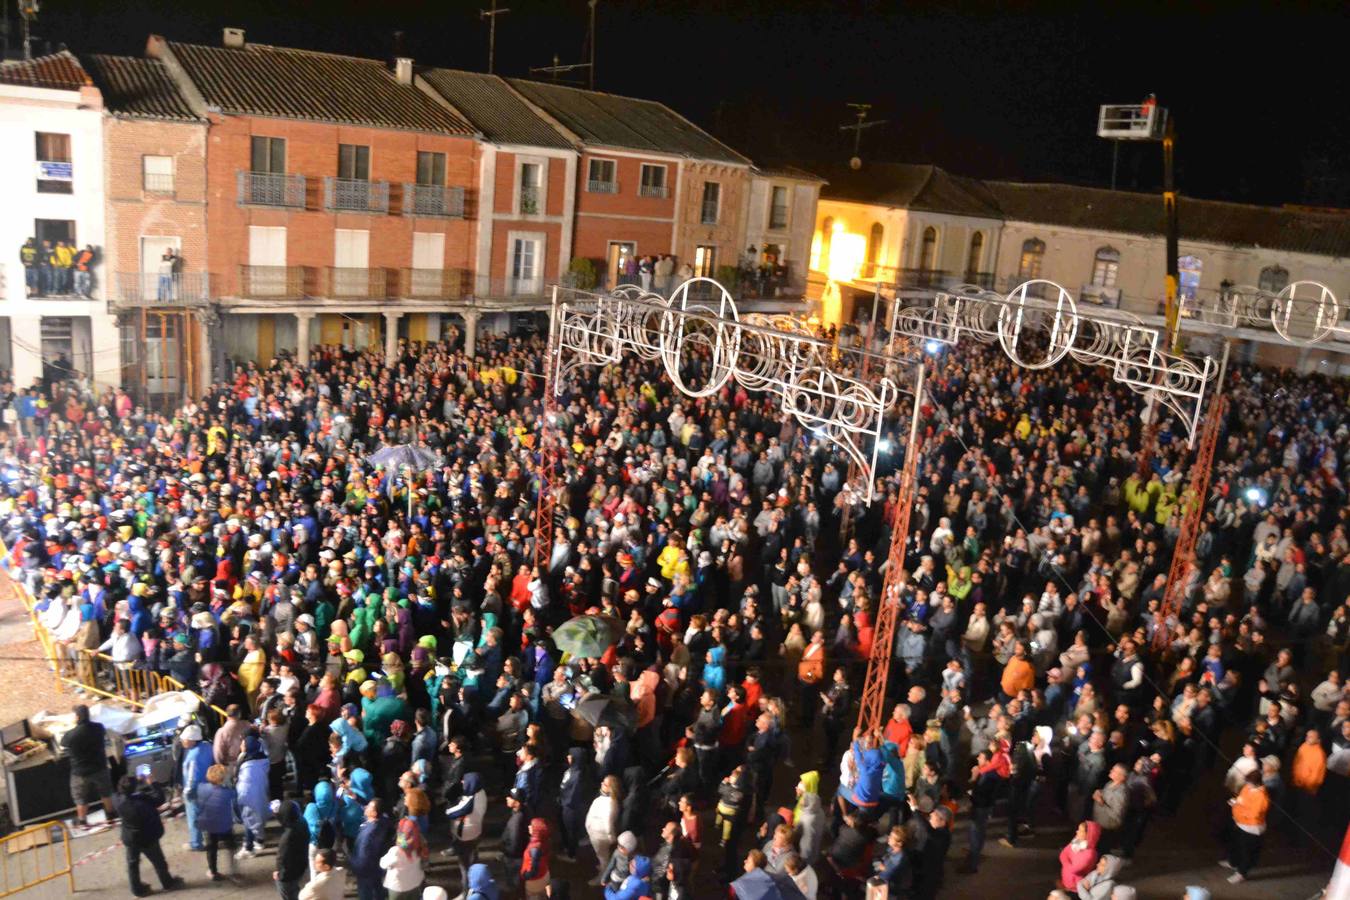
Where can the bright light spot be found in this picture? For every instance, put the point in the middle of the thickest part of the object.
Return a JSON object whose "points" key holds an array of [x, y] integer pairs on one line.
{"points": [[847, 252], [884, 445], [933, 347], [1256, 495]]}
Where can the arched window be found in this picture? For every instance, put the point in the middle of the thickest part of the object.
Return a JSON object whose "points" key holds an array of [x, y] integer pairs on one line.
{"points": [[1274, 279], [1188, 268], [1033, 256], [928, 251], [826, 238], [974, 257], [874, 240], [1105, 267]]}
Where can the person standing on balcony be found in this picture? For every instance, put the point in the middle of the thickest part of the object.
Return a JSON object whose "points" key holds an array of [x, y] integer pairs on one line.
{"points": [[168, 266], [84, 271], [28, 255], [63, 257], [645, 272], [664, 270], [46, 284]]}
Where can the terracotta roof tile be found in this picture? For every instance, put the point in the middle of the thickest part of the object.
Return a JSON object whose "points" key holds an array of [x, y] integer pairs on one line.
{"points": [[142, 88], [60, 71]]}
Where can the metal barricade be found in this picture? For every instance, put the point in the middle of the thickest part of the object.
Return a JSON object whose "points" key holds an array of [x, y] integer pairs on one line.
{"points": [[14, 868]]}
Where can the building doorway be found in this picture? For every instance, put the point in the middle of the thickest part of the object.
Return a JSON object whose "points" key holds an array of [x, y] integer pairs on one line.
{"points": [[617, 256]]}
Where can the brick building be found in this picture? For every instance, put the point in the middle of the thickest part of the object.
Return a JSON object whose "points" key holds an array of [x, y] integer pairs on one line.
{"points": [[649, 182], [339, 196], [154, 167]]}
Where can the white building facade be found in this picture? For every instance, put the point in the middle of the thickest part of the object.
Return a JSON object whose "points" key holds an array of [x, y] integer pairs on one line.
{"points": [[51, 151]]}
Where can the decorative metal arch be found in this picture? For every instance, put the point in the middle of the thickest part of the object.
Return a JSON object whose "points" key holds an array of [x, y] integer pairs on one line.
{"points": [[703, 343], [1304, 313]]}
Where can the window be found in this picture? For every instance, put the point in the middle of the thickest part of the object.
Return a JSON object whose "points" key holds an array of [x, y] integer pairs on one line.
{"points": [[778, 208], [975, 258], [653, 181], [1105, 267], [875, 237], [430, 168], [267, 275], [1188, 268], [712, 196], [354, 162], [1033, 256], [705, 260], [526, 277], [531, 175], [55, 174], [1273, 279], [351, 262], [601, 177], [928, 250], [826, 239], [268, 156], [157, 174]]}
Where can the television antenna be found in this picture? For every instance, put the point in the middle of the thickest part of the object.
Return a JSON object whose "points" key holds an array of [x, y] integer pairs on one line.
{"points": [[491, 14], [860, 110], [559, 68]]}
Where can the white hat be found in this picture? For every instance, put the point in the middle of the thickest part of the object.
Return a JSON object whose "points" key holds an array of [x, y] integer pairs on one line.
{"points": [[435, 893], [192, 733]]}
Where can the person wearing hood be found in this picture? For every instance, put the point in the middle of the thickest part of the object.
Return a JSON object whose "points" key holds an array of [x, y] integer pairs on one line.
{"points": [[635, 796], [808, 817], [292, 850], [480, 884], [616, 870], [534, 864], [321, 819], [466, 822], [373, 840], [638, 883], [714, 672], [404, 862], [395, 759], [576, 789], [1097, 884], [353, 741], [515, 837], [251, 783], [602, 820], [353, 797], [1079, 855]]}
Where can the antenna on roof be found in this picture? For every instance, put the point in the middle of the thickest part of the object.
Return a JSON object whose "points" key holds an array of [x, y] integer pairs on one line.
{"points": [[28, 10], [557, 68], [491, 15], [860, 109]]}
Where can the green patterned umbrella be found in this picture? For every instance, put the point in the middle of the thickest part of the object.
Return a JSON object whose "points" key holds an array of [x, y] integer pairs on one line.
{"points": [[588, 636]]}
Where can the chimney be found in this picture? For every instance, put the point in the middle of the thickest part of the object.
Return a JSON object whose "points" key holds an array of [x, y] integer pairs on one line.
{"points": [[403, 69], [234, 38]]}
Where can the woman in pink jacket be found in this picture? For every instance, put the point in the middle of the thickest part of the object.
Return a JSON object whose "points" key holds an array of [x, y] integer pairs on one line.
{"points": [[1079, 855]]}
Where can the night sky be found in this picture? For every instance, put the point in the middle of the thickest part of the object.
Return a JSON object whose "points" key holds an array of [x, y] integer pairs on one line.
{"points": [[1006, 90]]}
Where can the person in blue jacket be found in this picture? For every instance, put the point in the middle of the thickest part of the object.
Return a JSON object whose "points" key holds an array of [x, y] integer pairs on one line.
{"points": [[321, 815], [254, 804], [197, 758], [373, 840], [215, 816], [481, 885], [868, 763], [358, 792], [893, 780], [637, 884], [714, 673]]}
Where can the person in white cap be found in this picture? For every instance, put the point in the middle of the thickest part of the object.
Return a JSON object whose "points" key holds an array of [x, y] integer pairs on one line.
{"points": [[197, 758]]}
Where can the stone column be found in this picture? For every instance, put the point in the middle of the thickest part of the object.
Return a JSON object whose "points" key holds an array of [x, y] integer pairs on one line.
{"points": [[470, 330], [302, 320], [391, 338]]}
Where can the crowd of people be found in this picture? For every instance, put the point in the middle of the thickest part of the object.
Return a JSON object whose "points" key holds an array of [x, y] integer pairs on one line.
{"points": [[381, 641]]}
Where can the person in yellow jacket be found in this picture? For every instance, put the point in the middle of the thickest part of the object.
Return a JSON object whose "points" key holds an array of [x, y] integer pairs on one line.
{"points": [[1023, 427], [215, 439], [673, 559], [62, 258], [1308, 773]]}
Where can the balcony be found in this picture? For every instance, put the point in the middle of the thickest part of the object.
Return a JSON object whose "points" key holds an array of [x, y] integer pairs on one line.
{"points": [[266, 189], [272, 282], [433, 200], [529, 200], [979, 279], [1100, 295], [343, 283], [136, 289], [709, 216], [527, 287], [355, 195], [655, 191], [434, 284], [602, 187], [922, 278]]}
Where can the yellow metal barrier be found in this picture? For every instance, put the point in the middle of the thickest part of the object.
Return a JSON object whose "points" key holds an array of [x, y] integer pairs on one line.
{"points": [[19, 869]]}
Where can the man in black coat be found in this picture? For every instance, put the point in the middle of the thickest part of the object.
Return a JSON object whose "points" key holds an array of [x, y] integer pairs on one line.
{"points": [[86, 746], [292, 851], [138, 801]]}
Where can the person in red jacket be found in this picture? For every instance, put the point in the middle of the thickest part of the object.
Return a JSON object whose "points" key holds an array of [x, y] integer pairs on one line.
{"points": [[1079, 856], [534, 865]]}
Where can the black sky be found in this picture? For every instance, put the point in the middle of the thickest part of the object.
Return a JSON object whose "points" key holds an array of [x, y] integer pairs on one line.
{"points": [[987, 89]]}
